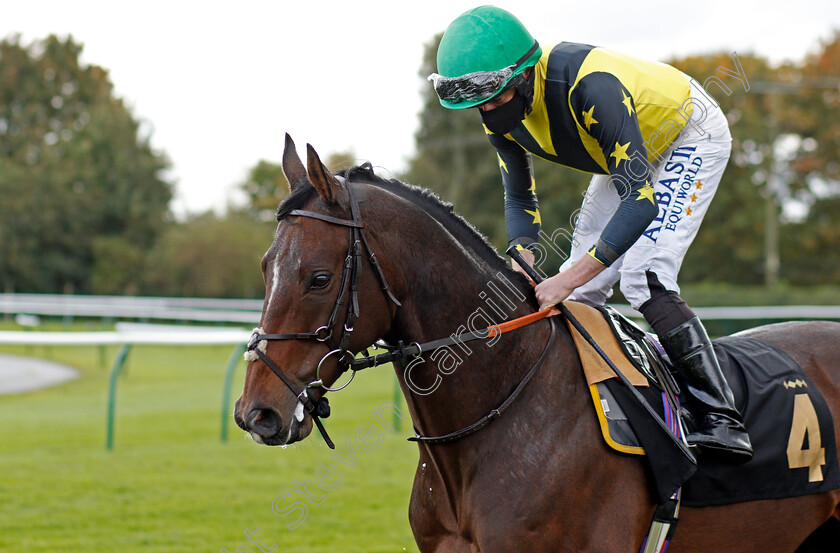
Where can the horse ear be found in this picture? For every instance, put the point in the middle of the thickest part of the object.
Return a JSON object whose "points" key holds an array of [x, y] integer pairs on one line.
{"points": [[324, 182], [292, 165]]}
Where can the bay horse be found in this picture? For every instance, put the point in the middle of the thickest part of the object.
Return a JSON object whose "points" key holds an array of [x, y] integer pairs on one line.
{"points": [[540, 477]]}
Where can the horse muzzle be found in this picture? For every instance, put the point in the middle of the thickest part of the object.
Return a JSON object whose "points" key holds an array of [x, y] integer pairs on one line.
{"points": [[265, 424]]}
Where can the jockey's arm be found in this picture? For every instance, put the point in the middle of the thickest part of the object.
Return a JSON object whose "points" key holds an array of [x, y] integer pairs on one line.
{"points": [[606, 110], [522, 215]]}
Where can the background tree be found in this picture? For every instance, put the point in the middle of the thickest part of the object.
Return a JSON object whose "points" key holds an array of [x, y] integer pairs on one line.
{"points": [[84, 205], [266, 185], [816, 104], [785, 162], [74, 169], [809, 246], [209, 256], [212, 256], [264, 188]]}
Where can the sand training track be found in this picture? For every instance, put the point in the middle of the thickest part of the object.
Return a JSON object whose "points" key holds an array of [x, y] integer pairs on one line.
{"points": [[22, 374]]}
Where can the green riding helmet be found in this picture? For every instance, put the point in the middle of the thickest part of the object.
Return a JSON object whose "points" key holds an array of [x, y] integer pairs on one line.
{"points": [[480, 53]]}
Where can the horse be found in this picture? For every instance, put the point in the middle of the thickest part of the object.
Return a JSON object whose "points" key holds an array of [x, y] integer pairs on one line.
{"points": [[540, 475]]}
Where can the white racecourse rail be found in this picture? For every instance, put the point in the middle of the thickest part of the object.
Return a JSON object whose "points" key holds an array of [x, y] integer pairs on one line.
{"points": [[142, 335], [152, 337], [243, 311], [128, 307], [235, 311]]}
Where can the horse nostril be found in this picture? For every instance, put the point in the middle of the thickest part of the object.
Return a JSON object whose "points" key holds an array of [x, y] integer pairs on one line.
{"points": [[265, 421]]}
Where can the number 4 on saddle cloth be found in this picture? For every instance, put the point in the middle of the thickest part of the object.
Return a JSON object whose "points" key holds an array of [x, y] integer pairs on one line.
{"points": [[787, 418]]}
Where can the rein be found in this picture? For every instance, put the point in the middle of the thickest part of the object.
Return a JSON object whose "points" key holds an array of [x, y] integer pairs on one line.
{"points": [[402, 352], [497, 412], [319, 408]]}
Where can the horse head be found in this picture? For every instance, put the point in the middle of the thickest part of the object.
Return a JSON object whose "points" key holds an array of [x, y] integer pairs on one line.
{"points": [[324, 301]]}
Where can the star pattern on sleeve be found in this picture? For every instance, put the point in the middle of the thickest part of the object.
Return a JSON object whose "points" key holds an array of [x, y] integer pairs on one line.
{"points": [[536, 215], [646, 193], [620, 153], [589, 118], [502, 164], [628, 103], [533, 189]]}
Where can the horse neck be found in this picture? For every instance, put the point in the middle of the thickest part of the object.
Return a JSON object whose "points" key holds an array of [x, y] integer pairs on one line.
{"points": [[446, 290], [442, 284]]}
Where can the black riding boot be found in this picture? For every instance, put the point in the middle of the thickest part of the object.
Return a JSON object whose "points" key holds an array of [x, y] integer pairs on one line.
{"points": [[719, 427]]}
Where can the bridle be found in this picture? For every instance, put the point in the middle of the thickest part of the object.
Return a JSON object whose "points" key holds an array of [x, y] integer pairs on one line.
{"points": [[258, 343], [318, 409]]}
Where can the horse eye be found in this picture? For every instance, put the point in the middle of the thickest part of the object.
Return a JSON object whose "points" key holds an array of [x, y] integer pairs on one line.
{"points": [[320, 281]]}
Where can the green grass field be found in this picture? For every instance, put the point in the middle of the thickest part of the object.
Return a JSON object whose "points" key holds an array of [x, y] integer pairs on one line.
{"points": [[171, 485]]}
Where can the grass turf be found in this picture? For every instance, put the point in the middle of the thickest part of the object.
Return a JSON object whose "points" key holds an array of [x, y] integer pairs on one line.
{"points": [[171, 485]]}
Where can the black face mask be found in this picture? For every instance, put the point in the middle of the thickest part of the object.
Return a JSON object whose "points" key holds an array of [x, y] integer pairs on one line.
{"points": [[506, 117]]}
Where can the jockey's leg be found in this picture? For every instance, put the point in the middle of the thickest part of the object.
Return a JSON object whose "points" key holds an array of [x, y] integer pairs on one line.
{"points": [[718, 424], [684, 184]]}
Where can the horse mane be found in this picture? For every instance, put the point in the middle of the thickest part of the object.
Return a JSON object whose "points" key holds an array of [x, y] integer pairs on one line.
{"points": [[463, 231]]}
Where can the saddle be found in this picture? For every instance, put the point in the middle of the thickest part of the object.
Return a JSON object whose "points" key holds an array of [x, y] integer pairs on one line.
{"points": [[786, 416]]}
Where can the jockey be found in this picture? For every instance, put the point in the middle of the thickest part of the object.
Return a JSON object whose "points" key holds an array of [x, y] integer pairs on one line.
{"points": [[656, 144]]}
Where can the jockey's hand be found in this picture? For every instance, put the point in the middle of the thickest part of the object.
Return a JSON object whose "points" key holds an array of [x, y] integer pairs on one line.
{"points": [[553, 290], [528, 255]]}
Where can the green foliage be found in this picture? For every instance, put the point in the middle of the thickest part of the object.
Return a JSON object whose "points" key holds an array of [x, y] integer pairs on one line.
{"points": [[265, 187], [208, 256], [84, 200], [341, 160], [812, 245], [118, 266], [74, 168], [815, 110]]}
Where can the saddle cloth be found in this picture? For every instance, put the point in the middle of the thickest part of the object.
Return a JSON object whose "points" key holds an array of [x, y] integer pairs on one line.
{"points": [[786, 416]]}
